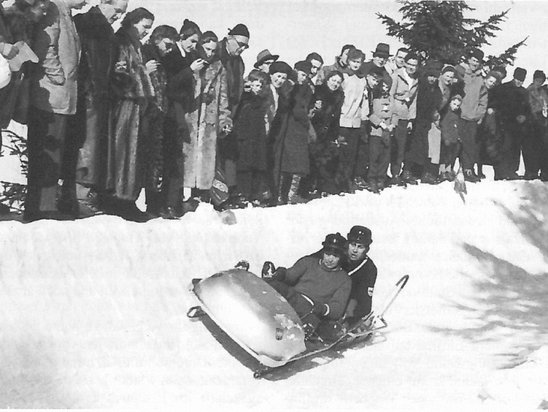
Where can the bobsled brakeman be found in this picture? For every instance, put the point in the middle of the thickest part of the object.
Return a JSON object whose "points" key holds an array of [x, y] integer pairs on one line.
{"points": [[264, 324]]}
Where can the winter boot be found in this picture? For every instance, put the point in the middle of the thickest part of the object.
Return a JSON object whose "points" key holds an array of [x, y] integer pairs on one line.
{"points": [[469, 176], [408, 178]]}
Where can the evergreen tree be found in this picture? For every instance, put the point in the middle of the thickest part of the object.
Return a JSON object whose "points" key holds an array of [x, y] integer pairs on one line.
{"points": [[440, 30]]}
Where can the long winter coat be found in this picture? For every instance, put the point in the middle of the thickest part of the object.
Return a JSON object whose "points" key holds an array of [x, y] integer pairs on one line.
{"points": [[126, 164], [94, 96], [57, 45], [250, 130], [291, 143], [404, 95], [211, 113]]}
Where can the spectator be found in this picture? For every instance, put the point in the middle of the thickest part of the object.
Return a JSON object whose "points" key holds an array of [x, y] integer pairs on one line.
{"points": [[317, 63], [91, 123], [53, 103], [403, 94], [340, 65], [451, 141], [396, 62], [7, 50], [162, 41], [209, 121], [535, 151], [291, 144], [473, 108], [326, 111], [264, 60], [134, 92]]}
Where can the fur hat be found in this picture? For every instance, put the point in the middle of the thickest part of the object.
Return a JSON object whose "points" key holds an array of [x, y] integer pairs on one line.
{"points": [[360, 234], [239, 30], [520, 74], [280, 67]]}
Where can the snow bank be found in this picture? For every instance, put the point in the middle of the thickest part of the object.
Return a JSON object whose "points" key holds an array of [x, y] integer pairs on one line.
{"points": [[94, 311]]}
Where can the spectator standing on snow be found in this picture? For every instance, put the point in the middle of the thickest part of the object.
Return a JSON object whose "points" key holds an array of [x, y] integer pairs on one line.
{"points": [[473, 108], [91, 123], [53, 103], [403, 94], [535, 148], [134, 96], [450, 139], [292, 160], [326, 111]]}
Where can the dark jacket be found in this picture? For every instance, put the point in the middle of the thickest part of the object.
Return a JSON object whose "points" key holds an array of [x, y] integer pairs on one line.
{"points": [[510, 101], [326, 119], [235, 68], [331, 288], [250, 130], [291, 143], [363, 283]]}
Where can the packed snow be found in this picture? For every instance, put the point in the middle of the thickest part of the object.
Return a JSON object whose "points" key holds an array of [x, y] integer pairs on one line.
{"points": [[94, 311]]}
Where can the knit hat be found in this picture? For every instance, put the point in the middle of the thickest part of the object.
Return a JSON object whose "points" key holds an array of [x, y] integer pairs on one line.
{"points": [[360, 234], [280, 67], [264, 56], [456, 97], [539, 74], [239, 30], [449, 68], [303, 66], [334, 242], [355, 54], [520, 73]]}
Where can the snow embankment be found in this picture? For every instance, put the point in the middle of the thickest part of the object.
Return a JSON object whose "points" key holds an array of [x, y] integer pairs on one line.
{"points": [[94, 311]]}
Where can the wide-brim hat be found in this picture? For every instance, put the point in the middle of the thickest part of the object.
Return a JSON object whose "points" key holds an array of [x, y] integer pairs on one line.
{"points": [[382, 50], [264, 56]]}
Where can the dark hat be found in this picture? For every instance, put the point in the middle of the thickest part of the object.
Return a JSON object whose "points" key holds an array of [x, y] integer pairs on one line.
{"points": [[376, 71], [382, 50], [496, 74], [264, 56], [303, 66], [501, 70], [456, 97], [239, 30], [449, 68], [314, 56], [477, 53], [355, 54], [334, 242], [539, 74], [432, 68], [360, 234], [520, 73], [280, 67]]}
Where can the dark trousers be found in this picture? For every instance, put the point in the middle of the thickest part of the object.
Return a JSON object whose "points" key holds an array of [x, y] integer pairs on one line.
{"points": [[397, 150], [47, 159], [532, 147], [252, 184], [379, 156], [468, 130], [348, 156]]}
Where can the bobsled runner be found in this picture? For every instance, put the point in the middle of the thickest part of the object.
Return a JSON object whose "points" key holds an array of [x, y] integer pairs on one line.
{"points": [[259, 320]]}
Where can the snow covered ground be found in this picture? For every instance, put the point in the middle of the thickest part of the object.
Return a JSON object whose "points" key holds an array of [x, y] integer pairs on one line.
{"points": [[94, 311]]}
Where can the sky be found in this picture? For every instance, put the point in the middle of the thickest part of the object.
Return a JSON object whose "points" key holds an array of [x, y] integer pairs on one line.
{"points": [[295, 28]]}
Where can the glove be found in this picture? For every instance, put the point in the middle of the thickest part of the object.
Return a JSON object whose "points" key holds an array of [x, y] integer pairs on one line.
{"points": [[320, 309]]}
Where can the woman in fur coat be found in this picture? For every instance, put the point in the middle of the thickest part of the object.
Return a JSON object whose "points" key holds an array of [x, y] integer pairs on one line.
{"points": [[209, 118]]}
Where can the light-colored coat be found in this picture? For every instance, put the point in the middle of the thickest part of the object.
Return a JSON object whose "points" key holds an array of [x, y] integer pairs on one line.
{"points": [[474, 102], [355, 107], [211, 113], [54, 83], [403, 95]]}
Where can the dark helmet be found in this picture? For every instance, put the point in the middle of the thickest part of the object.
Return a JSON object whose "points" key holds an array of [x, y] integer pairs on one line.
{"points": [[334, 242], [360, 234]]}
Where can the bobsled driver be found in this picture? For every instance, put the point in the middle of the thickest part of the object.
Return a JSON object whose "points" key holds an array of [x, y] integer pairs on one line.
{"points": [[316, 287]]}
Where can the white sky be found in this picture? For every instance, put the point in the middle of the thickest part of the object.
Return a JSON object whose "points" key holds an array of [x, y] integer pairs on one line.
{"points": [[295, 28]]}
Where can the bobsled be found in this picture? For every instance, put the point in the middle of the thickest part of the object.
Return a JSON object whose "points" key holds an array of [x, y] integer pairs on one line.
{"points": [[253, 314]]}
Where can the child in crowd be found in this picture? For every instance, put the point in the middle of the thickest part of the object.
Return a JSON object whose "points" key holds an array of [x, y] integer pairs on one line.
{"points": [[451, 142], [379, 140], [250, 128]]}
